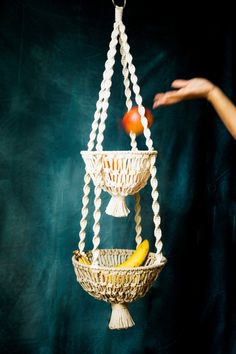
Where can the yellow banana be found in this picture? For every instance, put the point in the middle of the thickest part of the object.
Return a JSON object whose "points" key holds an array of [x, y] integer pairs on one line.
{"points": [[135, 260], [81, 258], [138, 256]]}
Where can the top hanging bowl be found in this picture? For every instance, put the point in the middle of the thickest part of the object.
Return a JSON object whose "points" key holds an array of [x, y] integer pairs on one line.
{"points": [[122, 173]]}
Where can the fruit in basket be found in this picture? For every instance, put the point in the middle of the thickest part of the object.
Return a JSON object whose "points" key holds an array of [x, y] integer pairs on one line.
{"points": [[138, 256], [135, 260], [81, 258]]}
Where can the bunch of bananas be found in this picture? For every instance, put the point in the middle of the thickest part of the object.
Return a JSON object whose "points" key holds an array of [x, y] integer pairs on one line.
{"points": [[81, 258], [135, 260]]}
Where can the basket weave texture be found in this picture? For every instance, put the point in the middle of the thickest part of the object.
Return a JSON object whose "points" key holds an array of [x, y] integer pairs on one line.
{"points": [[123, 172], [117, 285]]}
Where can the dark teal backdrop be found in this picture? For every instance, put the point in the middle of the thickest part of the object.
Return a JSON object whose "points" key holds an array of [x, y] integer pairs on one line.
{"points": [[52, 56]]}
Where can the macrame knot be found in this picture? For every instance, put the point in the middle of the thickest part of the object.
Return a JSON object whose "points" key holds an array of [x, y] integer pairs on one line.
{"points": [[118, 13]]}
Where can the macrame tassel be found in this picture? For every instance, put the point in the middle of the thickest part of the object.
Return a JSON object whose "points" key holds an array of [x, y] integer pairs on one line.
{"points": [[117, 206], [120, 317]]}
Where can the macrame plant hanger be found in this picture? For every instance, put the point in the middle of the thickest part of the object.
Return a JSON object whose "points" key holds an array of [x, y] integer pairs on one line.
{"points": [[120, 173]]}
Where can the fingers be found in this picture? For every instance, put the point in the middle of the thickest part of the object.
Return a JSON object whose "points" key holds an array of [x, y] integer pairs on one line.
{"points": [[167, 98], [158, 96], [174, 96], [159, 100], [179, 83]]}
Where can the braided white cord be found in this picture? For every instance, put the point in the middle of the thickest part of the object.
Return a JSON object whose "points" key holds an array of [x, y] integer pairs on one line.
{"points": [[133, 142], [156, 208], [83, 221], [128, 93], [136, 87], [108, 73], [125, 73], [105, 84], [102, 95], [138, 227], [97, 212], [97, 114]]}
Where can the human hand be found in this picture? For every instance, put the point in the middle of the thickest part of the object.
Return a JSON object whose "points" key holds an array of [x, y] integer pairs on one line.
{"points": [[185, 90]]}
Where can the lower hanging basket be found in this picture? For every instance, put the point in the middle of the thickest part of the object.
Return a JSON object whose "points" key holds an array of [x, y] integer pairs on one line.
{"points": [[118, 286]]}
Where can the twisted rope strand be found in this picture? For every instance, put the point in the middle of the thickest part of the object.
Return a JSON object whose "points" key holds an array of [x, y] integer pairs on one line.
{"points": [[97, 213], [102, 93], [136, 87], [84, 212], [125, 73], [128, 93], [138, 227], [108, 73], [156, 208]]}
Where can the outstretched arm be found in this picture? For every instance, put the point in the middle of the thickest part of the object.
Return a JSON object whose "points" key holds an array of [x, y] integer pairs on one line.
{"points": [[225, 109], [201, 88]]}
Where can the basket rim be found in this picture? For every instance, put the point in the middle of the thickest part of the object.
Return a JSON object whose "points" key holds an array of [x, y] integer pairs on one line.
{"points": [[119, 152], [140, 268]]}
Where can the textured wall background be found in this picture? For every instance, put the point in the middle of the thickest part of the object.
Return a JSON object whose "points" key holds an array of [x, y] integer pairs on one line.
{"points": [[51, 63]]}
